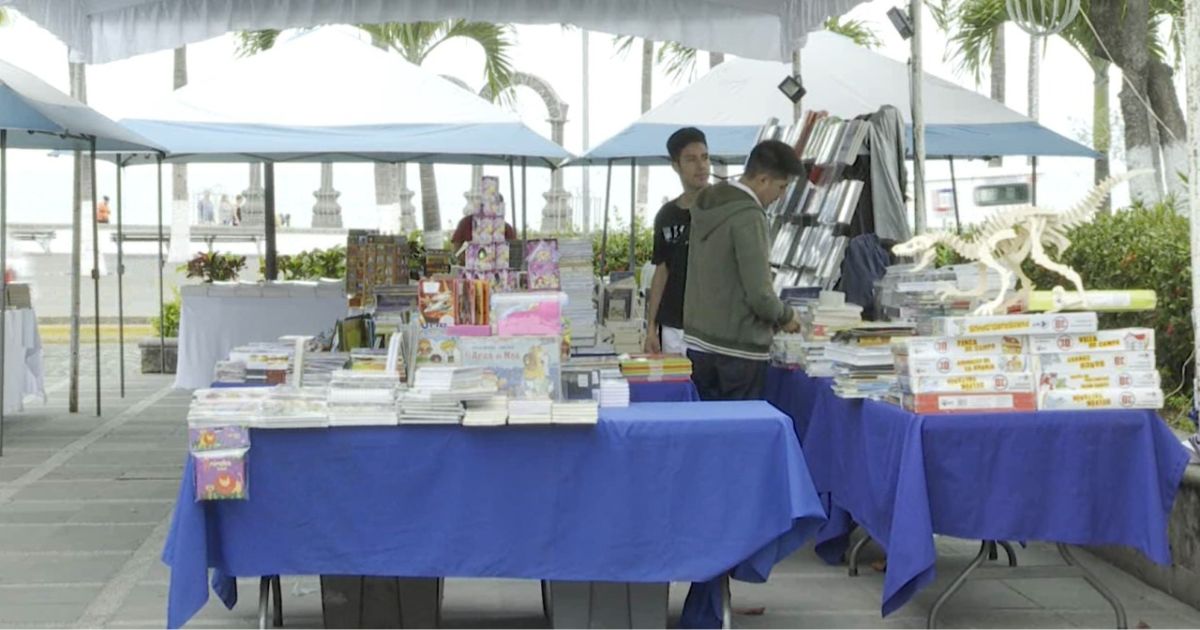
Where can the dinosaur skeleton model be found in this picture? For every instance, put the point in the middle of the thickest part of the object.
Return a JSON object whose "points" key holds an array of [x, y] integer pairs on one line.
{"points": [[1011, 235]]}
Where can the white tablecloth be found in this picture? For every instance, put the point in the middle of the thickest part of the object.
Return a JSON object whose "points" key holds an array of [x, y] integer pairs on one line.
{"points": [[217, 318], [24, 373]]}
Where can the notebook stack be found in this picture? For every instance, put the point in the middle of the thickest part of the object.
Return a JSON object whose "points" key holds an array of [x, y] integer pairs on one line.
{"points": [[230, 372], [575, 259], [318, 367], [530, 411], [492, 412], [614, 390], [1108, 369], [862, 359], [454, 383], [990, 373], [419, 407], [362, 398], [575, 412], [292, 408], [653, 368], [225, 406]]}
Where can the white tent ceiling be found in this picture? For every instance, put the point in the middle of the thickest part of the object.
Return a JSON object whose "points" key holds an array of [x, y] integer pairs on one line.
{"points": [[99, 31]]}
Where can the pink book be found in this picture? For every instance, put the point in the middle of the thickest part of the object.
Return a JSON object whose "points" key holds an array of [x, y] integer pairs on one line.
{"points": [[527, 314], [469, 331]]}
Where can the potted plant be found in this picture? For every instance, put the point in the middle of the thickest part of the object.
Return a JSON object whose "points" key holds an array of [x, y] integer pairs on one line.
{"points": [[214, 266], [165, 341]]}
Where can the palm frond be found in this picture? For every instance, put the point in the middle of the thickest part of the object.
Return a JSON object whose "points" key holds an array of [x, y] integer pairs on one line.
{"points": [[856, 30], [974, 34], [623, 43], [678, 60], [253, 42], [943, 14], [5, 18], [496, 40]]}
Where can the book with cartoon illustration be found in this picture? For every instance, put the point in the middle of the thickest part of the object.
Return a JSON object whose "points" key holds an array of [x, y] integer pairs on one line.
{"points": [[523, 367]]}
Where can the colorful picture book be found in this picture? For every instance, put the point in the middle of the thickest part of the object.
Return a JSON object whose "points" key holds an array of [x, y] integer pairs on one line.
{"points": [[522, 367], [541, 262]]}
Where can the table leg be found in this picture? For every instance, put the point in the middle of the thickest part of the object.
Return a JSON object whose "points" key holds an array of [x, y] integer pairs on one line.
{"points": [[1108, 595], [1010, 552], [854, 551], [264, 592], [546, 602], [277, 590], [984, 549], [726, 605]]}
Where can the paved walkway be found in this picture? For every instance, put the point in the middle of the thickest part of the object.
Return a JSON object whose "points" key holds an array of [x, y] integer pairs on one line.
{"points": [[85, 505]]}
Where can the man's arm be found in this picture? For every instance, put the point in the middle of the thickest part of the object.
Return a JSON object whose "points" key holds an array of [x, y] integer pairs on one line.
{"points": [[749, 249], [658, 285]]}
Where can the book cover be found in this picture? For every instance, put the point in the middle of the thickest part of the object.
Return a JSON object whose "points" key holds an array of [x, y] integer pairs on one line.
{"points": [[1022, 324], [436, 347], [969, 403], [1136, 379], [969, 383], [1066, 399], [1096, 361], [1121, 340], [436, 299], [919, 347], [522, 367], [528, 314], [221, 475], [541, 260], [983, 364]]}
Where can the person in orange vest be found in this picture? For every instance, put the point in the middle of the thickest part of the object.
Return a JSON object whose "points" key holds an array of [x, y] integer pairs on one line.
{"points": [[102, 211]]}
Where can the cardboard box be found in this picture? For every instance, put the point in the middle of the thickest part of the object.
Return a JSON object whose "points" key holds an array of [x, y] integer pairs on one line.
{"points": [[969, 403], [1102, 399], [1022, 324], [1023, 382], [961, 346], [1062, 362], [1137, 379], [984, 364], [1120, 340]]}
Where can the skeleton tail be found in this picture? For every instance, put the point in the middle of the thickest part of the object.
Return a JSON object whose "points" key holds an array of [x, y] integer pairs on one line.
{"points": [[1087, 208]]}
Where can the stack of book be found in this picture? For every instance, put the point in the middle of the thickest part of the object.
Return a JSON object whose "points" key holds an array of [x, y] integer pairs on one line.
{"points": [[614, 391], [575, 412], [293, 408], [959, 374], [1108, 369], [917, 297], [454, 383], [531, 411], [492, 412], [648, 368], [421, 407], [862, 359], [318, 367], [266, 363], [579, 283], [230, 372], [358, 398], [225, 406], [627, 335]]}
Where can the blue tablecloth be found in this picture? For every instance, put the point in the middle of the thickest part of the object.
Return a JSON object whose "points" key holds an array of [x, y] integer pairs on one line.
{"points": [[666, 391], [1084, 478], [653, 493]]}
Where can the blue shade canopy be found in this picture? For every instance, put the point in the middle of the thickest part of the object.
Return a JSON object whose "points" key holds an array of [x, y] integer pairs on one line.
{"points": [[38, 116], [328, 95], [732, 102]]}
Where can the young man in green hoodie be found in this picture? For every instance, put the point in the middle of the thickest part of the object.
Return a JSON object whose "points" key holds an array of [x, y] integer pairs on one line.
{"points": [[731, 311]]}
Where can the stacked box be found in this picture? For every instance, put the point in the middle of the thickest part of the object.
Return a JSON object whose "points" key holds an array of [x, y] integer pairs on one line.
{"points": [[953, 374], [1107, 369]]}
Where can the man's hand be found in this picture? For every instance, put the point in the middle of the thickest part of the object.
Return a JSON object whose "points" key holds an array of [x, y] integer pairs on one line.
{"points": [[793, 325], [652, 345]]}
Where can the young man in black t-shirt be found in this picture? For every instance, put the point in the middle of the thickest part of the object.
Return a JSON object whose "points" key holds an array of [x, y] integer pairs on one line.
{"points": [[688, 149]]}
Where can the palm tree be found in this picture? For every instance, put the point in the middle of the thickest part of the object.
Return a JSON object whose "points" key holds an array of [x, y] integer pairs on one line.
{"points": [[974, 23], [415, 41]]}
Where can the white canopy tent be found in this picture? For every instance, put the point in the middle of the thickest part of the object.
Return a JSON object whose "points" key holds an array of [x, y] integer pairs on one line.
{"points": [[407, 115], [34, 115], [99, 31], [732, 102]]}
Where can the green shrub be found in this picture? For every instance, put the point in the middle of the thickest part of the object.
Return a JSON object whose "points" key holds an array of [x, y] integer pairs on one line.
{"points": [[617, 255], [1139, 248], [214, 266], [170, 316], [310, 265]]}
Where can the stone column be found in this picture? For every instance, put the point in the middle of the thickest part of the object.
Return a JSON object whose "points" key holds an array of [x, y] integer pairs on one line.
{"points": [[254, 207], [556, 216], [408, 212], [472, 195], [327, 213]]}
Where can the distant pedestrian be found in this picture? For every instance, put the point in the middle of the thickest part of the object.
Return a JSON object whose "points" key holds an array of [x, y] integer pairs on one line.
{"points": [[102, 211], [239, 201], [205, 208], [227, 211]]}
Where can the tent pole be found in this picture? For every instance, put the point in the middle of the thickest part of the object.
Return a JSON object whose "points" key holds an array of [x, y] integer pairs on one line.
{"points": [[162, 308], [1033, 182], [4, 266], [604, 239], [512, 191], [954, 196], [120, 279], [633, 216], [916, 88], [269, 219], [96, 270], [524, 204]]}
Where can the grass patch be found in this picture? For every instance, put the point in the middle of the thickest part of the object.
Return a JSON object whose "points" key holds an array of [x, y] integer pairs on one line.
{"points": [[61, 333]]}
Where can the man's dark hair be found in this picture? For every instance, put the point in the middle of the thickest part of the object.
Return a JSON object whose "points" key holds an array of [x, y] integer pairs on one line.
{"points": [[774, 158], [681, 139]]}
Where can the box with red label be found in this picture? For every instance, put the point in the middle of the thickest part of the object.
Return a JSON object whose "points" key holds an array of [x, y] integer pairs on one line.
{"points": [[985, 364], [1095, 361], [1102, 399], [1122, 340], [1135, 379], [1023, 324], [960, 346], [970, 403], [969, 383]]}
